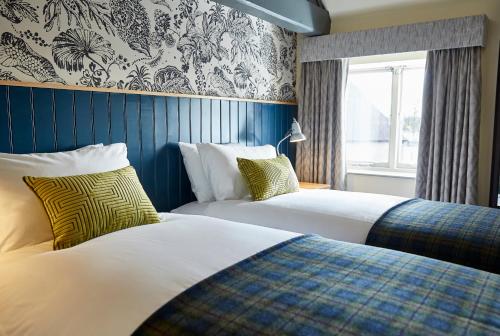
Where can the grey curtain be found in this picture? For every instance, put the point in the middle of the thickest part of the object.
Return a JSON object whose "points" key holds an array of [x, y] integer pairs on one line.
{"points": [[321, 158], [449, 133]]}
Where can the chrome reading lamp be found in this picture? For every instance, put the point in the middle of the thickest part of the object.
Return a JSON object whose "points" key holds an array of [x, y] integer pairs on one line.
{"points": [[294, 133]]}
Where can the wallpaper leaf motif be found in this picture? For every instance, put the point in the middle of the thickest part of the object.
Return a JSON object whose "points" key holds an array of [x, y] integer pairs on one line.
{"points": [[16, 53], [175, 46], [77, 12], [17, 10], [71, 47]]}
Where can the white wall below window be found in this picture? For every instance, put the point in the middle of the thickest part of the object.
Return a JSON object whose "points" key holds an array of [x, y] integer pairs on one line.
{"points": [[377, 184]]}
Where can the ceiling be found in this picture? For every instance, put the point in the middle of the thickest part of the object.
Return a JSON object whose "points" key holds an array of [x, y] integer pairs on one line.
{"points": [[344, 7]]}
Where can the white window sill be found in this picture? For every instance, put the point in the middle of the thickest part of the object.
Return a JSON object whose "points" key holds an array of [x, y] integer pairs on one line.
{"points": [[384, 173]]}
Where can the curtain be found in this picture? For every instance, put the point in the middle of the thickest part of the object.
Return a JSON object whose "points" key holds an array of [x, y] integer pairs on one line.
{"points": [[449, 133], [321, 158]]}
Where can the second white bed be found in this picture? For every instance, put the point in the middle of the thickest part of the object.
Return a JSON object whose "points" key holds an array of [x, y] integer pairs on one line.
{"points": [[340, 215]]}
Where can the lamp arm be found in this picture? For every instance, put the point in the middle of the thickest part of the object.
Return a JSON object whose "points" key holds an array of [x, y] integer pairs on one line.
{"points": [[287, 135]]}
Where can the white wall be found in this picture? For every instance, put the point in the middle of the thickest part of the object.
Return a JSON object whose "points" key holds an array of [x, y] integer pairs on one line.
{"points": [[389, 185]]}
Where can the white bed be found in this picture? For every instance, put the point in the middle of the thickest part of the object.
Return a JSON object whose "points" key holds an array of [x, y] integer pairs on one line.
{"points": [[111, 284], [340, 215]]}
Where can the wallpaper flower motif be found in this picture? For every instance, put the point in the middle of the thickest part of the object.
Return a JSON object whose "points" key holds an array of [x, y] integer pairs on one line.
{"points": [[176, 46]]}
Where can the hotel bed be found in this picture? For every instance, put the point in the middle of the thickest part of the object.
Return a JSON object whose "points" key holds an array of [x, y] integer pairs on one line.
{"points": [[200, 275], [463, 234]]}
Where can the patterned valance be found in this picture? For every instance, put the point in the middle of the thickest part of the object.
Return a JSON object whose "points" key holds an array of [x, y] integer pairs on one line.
{"points": [[469, 31]]}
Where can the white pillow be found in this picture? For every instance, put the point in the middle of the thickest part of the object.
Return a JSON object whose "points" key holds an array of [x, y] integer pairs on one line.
{"points": [[199, 182], [221, 168], [23, 220], [194, 168]]}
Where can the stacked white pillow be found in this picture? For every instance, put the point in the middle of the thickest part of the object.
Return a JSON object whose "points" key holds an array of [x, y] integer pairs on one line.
{"points": [[221, 167], [23, 220], [200, 185], [213, 170], [199, 182]]}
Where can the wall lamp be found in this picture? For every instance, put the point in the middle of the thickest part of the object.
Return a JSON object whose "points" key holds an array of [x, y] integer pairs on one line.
{"points": [[294, 133]]}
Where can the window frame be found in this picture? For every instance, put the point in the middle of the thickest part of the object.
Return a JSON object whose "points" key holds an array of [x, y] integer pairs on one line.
{"points": [[393, 165]]}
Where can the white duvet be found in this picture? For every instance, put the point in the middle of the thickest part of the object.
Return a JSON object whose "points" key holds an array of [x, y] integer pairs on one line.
{"points": [[111, 284], [340, 215]]}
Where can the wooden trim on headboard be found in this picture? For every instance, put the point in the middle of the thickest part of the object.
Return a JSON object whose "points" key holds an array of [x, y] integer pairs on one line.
{"points": [[148, 93]]}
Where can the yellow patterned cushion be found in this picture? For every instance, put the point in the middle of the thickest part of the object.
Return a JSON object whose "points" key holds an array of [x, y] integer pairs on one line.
{"points": [[87, 206], [269, 177]]}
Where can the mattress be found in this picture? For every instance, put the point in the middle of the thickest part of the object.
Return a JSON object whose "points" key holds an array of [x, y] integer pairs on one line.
{"points": [[340, 215], [111, 284]]}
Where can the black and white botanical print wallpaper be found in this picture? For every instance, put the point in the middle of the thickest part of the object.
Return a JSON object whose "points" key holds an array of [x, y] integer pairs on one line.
{"points": [[176, 46]]}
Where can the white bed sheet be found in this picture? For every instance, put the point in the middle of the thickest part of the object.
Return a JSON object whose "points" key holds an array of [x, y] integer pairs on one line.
{"points": [[340, 215], [111, 284]]}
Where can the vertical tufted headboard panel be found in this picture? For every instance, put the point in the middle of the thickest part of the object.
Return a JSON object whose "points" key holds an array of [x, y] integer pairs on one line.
{"points": [[34, 120]]}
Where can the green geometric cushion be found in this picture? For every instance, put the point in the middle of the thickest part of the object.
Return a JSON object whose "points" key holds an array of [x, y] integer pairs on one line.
{"points": [[87, 206], [268, 177]]}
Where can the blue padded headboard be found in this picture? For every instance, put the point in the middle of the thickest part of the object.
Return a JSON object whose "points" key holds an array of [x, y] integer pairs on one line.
{"points": [[46, 120]]}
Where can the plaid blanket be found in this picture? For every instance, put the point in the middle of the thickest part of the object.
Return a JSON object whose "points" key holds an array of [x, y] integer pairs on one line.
{"points": [[463, 234], [315, 286]]}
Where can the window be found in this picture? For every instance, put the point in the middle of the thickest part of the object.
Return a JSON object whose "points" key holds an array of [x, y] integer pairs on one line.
{"points": [[383, 112]]}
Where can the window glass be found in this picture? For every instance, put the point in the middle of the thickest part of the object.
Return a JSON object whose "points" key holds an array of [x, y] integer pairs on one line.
{"points": [[410, 115], [383, 111], [368, 117]]}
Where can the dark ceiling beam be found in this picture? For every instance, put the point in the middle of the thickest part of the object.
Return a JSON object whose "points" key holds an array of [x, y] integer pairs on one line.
{"points": [[300, 16]]}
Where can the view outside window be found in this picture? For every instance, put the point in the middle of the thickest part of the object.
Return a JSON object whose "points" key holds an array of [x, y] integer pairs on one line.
{"points": [[410, 114], [368, 116], [383, 112]]}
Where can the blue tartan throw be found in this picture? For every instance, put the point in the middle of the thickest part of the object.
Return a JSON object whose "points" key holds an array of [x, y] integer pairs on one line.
{"points": [[315, 286], [463, 234]]}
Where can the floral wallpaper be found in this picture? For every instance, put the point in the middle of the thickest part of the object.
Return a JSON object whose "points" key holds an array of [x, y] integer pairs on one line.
{"points": [[175, 46]]}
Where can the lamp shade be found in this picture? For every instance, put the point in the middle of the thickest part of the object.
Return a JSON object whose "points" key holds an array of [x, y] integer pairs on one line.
{"points": [[295, 135], [296, 132]]}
